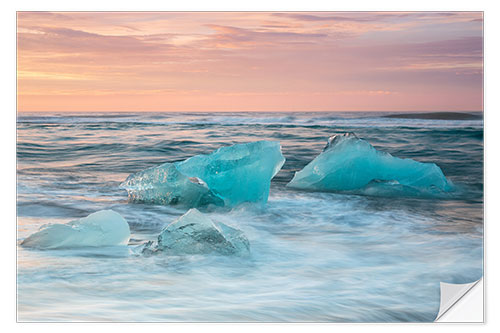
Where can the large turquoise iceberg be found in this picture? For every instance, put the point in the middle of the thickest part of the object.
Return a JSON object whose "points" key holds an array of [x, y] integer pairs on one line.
{"points": [[102, 228], [226, 177], [348, 164]]}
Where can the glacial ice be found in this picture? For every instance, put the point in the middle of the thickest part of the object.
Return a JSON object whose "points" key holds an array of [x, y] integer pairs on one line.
{"points": [[226, 177], [102, 228], [195, 233], [165, 184], [349, 163]]}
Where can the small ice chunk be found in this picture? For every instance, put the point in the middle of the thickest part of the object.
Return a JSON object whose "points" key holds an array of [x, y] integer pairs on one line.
{"points": [[228, 176], [195, 233], [102, 228], [349, 163]]}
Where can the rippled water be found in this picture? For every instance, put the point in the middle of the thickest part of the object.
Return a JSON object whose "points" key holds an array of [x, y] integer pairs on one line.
{"points": [[314, 256]]}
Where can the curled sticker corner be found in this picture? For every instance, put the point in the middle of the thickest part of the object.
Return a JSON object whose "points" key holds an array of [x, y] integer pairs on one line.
{"points": [[451, 294]]}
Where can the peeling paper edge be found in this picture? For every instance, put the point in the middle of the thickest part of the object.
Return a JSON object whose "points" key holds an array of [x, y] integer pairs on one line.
{"points": [[461, 303]]}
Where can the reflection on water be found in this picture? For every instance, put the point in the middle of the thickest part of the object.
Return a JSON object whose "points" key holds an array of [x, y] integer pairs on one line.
{"points": [[314, 256]]}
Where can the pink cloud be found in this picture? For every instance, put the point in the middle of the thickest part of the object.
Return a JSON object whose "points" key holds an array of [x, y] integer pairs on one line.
{"points": [[243, 61]]}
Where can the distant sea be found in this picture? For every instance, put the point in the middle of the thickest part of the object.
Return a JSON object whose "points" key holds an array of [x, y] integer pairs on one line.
{"points": [[327, 257]]}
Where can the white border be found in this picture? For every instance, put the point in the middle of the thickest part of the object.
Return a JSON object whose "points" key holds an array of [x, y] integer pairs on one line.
{"points": [[492, 167], [255, 5]]}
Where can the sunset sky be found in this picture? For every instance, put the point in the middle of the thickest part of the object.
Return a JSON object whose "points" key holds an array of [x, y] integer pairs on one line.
{"points": [[253, 61]]}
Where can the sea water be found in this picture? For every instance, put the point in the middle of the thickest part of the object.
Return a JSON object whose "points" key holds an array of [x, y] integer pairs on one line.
{"points": [[314, 256]]}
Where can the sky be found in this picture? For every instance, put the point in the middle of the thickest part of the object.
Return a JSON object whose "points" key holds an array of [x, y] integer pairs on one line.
{"points": [[249, 61]]}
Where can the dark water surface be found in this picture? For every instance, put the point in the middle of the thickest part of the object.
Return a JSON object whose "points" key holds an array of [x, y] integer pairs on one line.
{"points": [[314, 256]]}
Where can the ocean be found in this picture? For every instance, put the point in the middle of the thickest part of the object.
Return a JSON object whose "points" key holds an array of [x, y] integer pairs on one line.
{"points": [[314, 256]]}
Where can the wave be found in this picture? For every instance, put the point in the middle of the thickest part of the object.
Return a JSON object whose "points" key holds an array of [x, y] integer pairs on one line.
{"points": [[437, 116], [306, 119]]}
